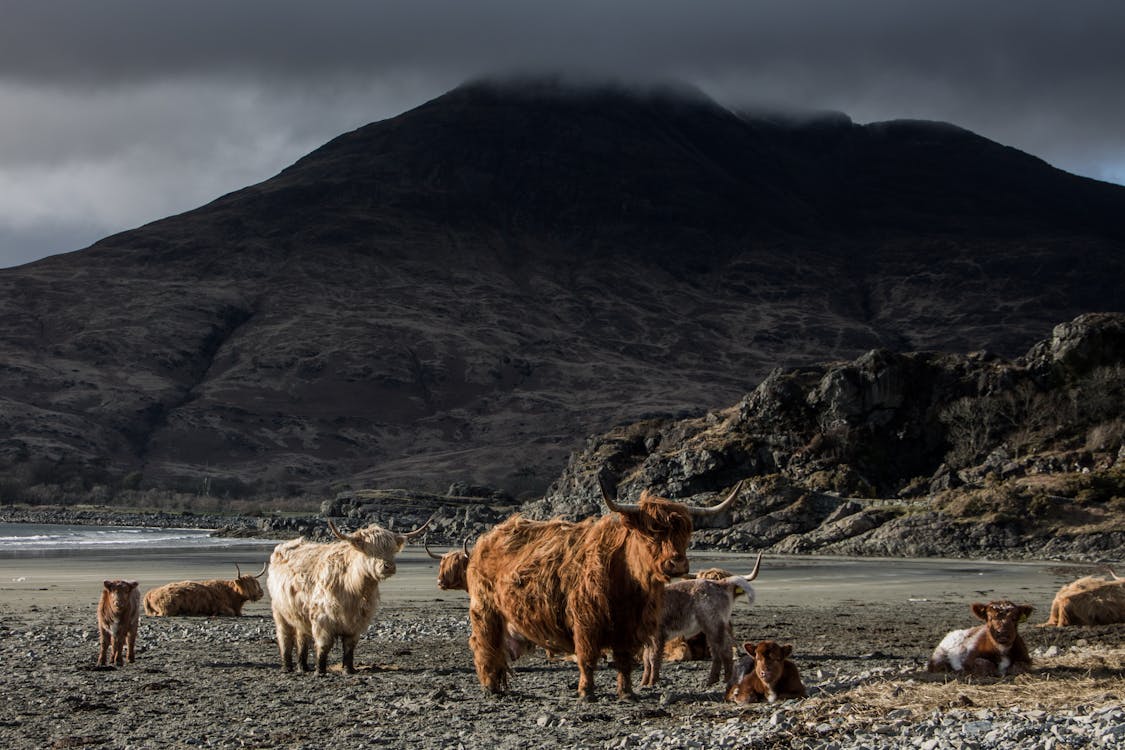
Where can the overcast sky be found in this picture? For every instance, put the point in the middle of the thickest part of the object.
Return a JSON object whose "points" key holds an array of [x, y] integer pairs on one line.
{"points": [[114, 113]]}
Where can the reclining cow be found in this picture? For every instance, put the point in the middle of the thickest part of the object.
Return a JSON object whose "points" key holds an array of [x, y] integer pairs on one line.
{"points": [[1089, 601], [214, 598], [993, 649]]}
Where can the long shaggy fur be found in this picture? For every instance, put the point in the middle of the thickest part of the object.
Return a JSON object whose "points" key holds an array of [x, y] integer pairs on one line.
{"points": [[1089, 601], [217, 597], [575, 587], [323, 591]]}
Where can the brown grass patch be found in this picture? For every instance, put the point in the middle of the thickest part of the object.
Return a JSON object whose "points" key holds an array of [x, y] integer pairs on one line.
{"points": [[1088, 678]]}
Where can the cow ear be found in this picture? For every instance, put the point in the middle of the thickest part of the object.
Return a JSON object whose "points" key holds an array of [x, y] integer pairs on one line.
{"points": [[749, 647], [785, 651], [1025, 612], [107, 584], [132, 584], [980, 610]]}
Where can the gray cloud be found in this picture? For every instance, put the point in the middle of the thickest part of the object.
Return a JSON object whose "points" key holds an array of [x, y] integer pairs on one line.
{"points": [[121, 111]]}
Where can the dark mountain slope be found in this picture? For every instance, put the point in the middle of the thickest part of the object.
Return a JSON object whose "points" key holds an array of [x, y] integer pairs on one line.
{"points": [[466, 290]]}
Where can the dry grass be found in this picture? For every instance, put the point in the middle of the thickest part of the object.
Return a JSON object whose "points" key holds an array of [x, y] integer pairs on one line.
{"points": [[1089, 678]]}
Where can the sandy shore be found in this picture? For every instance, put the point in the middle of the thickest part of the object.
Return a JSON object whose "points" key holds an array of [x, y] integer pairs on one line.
{"points": [[212, 682]]}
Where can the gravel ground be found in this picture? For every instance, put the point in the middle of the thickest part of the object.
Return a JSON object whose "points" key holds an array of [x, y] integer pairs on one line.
{"points": [[211, 682]]}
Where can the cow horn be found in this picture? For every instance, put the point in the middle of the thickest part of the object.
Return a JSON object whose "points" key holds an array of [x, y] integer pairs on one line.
{"points": [[757, 564], [1115, 576], [420, 529], [465, 547], [336, 531], [608, 495], [426, 544], [262, 572], [237, 570], [716, 509]]}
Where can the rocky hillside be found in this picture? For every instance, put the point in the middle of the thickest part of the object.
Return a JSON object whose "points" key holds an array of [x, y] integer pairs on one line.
{"points": [[915, 454], [462, 293]]}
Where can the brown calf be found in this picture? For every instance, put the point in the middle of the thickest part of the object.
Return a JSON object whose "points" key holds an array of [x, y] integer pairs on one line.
{"points": [[119, 614], [993, 649], [1089, 601], [216, 597], [765, 673]]}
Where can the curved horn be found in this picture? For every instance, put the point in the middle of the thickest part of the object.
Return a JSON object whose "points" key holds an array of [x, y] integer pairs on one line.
{"points": [[608, 495], [426, 543], [262, 572], [237, 570], [757, 564], [1115, 576], [336, 531], [465, 547], [716, 509], [420, 529]]}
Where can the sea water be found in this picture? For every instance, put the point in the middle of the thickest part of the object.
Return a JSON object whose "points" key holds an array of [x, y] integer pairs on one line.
{"points": [[38, 539]]}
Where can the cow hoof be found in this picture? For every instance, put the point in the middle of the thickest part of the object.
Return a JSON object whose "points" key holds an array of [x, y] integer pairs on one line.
{"points": [[627, 698]]}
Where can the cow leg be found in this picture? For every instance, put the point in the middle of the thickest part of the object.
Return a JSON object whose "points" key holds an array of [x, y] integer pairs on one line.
{"points": [[348, 643], [720, 644], [623, 663], [117, 645], [487, 643], [103, 645], [587, 654], [324, 643], [285, 636], [131, 643], [646, 661], [303, 653]]}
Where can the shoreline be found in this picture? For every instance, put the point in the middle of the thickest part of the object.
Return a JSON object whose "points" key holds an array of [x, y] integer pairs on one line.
{"points": [[861, 630]]}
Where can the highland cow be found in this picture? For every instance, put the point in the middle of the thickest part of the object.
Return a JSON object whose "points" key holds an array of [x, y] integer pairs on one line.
{"points": [[1089, 601], [321, 592], [993, 649], [579, 587], [119, 614], [700, 606], [217, 597], [765, 673]]}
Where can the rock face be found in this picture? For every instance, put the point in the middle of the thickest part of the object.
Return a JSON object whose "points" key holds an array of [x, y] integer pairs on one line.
{"points": [[465, 291], [915, 454]]}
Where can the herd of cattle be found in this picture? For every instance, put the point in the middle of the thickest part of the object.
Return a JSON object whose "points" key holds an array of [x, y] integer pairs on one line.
{"points": [[599, 587]]}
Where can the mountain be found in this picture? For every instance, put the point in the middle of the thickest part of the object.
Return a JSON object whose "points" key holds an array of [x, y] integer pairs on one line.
{"points": [[467, 290]]}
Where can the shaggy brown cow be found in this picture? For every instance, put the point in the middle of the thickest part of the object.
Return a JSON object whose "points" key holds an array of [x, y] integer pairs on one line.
{"points": [[119, 614], [453, 568], [217, 597], [700, 606], [578, 587], [321, 592], [993, 649], [1089, 601], [765, 673]]}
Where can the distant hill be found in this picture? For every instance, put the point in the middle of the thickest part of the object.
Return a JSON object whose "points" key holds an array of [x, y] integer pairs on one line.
{"points": [[466, 291]]}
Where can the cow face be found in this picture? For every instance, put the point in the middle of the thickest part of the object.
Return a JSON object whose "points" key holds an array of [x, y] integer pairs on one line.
{"points": [[665, 528], [249, 587], [1002, 619], [769, 660], [119, 592], [379, 546], [453, 571]]}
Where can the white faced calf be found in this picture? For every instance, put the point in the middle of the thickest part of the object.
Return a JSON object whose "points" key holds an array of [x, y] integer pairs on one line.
{"points": [[993, 649]]}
